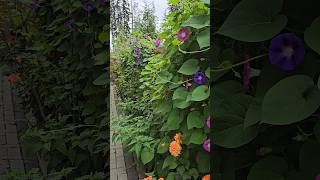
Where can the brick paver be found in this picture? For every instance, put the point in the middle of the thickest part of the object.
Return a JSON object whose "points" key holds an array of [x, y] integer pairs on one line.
{"points": [[117, 162], [11, 117]]}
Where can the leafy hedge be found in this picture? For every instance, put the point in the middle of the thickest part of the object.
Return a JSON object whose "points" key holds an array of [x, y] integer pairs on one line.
{"points": [[59, 64], [266, 90], [174, 100]]}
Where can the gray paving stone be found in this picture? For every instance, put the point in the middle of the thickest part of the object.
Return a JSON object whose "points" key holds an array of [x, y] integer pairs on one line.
{"points": [[14, 153], [12, 139], [17, 165], [122, 177], [3, 140], [11, 128]]}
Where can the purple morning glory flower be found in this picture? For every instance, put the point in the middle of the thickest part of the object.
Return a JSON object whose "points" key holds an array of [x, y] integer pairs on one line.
{"points": [[209, 122], [88, 7], [67, 23], [206, 145], [146, 37], [136, 57], [137, 50], [183, 34], [33, 6], [286, 51], [199, 77], [317, 178], [157, 42]]}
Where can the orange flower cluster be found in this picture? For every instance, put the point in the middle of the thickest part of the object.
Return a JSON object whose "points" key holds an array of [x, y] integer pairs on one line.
{"points": [[148, 178], [13, 78], [206, 177], [175, 146], [178, 138]]}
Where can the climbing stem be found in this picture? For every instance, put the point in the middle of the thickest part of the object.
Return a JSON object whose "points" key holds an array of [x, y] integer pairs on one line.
{"points": [[192, 52], [238, 64]]}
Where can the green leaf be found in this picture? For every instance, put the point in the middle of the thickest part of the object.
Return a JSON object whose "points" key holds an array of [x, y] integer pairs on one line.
{"points": [[164, 77], [170, 163], [137, 149], [180, 93], [254, 20], [164, 107], [253, 115], [228, 132], [171, 176], [269, 168], [103, 37], [197, 22], [195, 120], [290, 100], [316, 131], [207, 72], [228, 57], [194, 173], [197, 137], [203, 162], [101, 80], [205, 1], [174, 2], [309, 158], [174, 120], [200, 93], [189, 67], [181, 103], [101, 58], [311, 35], [203, 38], [147, 155]]}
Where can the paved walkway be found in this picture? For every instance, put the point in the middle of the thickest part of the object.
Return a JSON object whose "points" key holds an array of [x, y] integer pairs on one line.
{"points": [[117, 162], [12, 125]]}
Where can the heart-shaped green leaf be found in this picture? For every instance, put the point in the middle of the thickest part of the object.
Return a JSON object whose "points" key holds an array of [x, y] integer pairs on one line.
{"points": [[311, 35], [254, 20], [253, 114], [228, 132], [269, 168], [198, 21], [189, 67], [170, 163], [147, 155], [195, 120], [197, 137], [200, 93], [203, 38], [290, 100]]}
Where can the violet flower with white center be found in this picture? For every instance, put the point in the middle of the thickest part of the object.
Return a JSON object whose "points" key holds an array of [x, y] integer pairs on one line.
{"points": [[88, 6], [157, 42], [199, 77], [286, 51], [206, 145], [209, 122], [183, 34]]}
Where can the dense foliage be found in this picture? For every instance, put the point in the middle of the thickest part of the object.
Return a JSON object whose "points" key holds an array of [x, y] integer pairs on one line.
{"points": [[59, 66], [266, 90], [170, 93]]}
